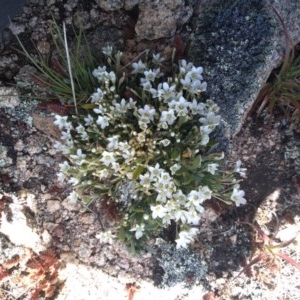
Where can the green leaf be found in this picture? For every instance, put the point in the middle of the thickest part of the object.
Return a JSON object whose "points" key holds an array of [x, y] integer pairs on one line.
{"points": [[175, 153], [138, 171], [196, 162]]}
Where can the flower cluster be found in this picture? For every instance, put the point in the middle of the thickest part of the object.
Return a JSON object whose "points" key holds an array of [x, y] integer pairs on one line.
{"points": [[150, 133]]}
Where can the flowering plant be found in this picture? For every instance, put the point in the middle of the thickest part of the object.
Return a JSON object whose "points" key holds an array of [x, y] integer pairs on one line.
{"points": [[143, 141]]}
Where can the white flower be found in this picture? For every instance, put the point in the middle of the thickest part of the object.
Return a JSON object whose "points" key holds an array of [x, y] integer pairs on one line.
{"points": [[121, 107], [113, 142], [165, 142], [206, 129], [204, 140], [79, 157], [212, 168], [164, 178], [103, 121], [66, 135], [158, 211], [100, 110], [64, 167], [131, 104], [116, 167], [107, 50], [237, 197], [73, 198], [206, 191], [156, 59], [192, 217], [150, 75], [111, 76], [184, 66], [180, 197], [73, 181], [186, 237], [139, 230], [106, 237], [179, 215], [155, 171], [61, 121], [147, 112], [61, 176], [145, 180], [195, 73], [99, 73], [165, 91], [210, 119], [238, 169], [186, 83], [97, 96], [197, 86], [146, 85], [195, 198], [81, 130], [103, 173], [88, 120], [180, 106], [168, 117], [138, 67], [197, 108], [175, 168], [107, 158]]}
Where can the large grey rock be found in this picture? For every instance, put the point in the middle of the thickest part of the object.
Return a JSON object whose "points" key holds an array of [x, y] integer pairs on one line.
{"points": [[239, 42]]}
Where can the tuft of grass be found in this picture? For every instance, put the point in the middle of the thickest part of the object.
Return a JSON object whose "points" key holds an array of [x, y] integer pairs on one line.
{"points": [[283, 91], [66, 74]]}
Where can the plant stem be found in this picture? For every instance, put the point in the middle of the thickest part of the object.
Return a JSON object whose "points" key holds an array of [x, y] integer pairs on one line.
{"points": [[69, 67]]}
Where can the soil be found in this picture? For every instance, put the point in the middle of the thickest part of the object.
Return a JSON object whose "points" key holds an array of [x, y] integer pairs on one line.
{"points": [[230, 237]]}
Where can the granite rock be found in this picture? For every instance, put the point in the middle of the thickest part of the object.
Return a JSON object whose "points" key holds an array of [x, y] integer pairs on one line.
{"points": [[159, 19], [239, 43]]}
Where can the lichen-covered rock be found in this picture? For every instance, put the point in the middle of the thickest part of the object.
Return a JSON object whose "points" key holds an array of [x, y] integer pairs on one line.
{"points": [[110, 5], [9, 97], [159, 19], [129, 4], [239, 43], [231, 42], [179, 265]]}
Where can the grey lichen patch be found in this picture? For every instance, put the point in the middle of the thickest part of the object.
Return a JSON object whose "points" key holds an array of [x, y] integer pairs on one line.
{"points": [[8, 97], [22, 111], [233, 41], [180, 266], [5, 160]]}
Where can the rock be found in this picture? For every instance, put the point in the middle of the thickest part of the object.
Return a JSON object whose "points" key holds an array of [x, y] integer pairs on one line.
{"points": [[110, 5], [87, 218], [238, 44], [47, 239], [8, 10], [19, 223], [9, 97], [53, 206], [5, 160], [158, 19], [129, 4]]}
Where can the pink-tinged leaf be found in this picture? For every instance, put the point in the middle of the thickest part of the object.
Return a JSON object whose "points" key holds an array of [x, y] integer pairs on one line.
{"points": [[288, 259]]}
